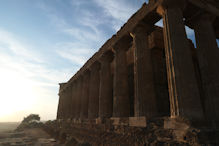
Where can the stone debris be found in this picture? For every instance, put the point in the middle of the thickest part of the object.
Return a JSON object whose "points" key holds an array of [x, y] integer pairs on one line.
{"points": [[30, 137]]}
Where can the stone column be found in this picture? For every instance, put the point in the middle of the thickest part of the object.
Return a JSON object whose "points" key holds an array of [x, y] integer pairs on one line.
{"points": [[208, 57], [64, 107], [121, 102], [183, 88], [73, 99], [93, 105], [145, 96], [59, 116], [61, 101], [78, 97], [68, 103], [85, 95], [106, 86]]}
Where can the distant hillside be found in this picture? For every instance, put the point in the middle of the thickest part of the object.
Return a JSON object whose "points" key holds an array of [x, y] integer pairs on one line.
{"points": [[8, 126]]}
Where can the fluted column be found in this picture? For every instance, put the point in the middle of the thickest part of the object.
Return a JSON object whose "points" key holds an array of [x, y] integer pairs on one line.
{"points": [[73, 100], [59, 116], [69, 101], [93, 105], [121, 101], [85, 95], [61, 101], [106, 86], [64, 107], [208, 57], [183, 88], [78, 97], [145, 95]]}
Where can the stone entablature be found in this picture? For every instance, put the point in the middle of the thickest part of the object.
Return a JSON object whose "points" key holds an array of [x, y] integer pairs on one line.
{"points": [[148, 71]]}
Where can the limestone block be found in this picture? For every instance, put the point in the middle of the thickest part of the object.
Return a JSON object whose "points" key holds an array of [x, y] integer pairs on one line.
{"points": [[120, 121], [137, 121]]}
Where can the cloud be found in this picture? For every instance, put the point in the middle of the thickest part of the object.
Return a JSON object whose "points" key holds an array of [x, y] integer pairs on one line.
{"points": [[27, 84], [75, 52], [8, 41], [82, 27], [83, 35], [84, 31], [78, 4], [120, 11], [93, 22]]}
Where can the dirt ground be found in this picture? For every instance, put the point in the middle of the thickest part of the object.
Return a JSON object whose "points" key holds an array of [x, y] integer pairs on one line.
{"points": [[28, 137], [8, 126]]}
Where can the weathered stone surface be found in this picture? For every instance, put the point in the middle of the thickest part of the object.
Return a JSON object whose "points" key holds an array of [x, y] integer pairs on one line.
{"points": [[85, 96], [208, 55], [183, 88], [138, 121], [145, 95], [106, 86], [94, 84], [165, 131], [121, 102], [78, 97]]}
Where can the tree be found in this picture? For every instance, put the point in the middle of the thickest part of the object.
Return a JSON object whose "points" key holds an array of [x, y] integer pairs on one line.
{"points": [[31, 121], [31, 117]]}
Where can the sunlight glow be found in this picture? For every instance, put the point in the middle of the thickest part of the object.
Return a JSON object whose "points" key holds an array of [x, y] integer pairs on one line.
{"points": [[16, 94]]}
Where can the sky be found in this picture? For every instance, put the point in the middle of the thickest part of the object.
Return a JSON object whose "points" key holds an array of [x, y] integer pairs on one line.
{"points": [[44, 42]]}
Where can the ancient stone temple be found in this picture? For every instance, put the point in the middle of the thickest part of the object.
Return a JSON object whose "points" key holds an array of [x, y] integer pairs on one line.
{"points": [[148, 85]]}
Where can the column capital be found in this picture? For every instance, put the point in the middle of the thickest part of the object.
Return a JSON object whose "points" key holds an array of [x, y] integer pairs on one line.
{"points": [[86, 73], [61, 93], [95, 66], [64, 91], [152, 1], [201, 18], [61, 86], [69, 85], [74, 82], [79, 79], [142, 29], [107, 57], [123, 44], [165, 4]]}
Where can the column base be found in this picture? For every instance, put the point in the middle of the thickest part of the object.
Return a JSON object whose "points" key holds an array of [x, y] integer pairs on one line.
{"points": [[130, 121]]}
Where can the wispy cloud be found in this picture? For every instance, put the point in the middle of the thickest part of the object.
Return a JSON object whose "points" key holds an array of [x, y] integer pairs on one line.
{"points": [[84, 32], [82, 35], [75, 52], [8, 41], [120, 11], [26, 80]]}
